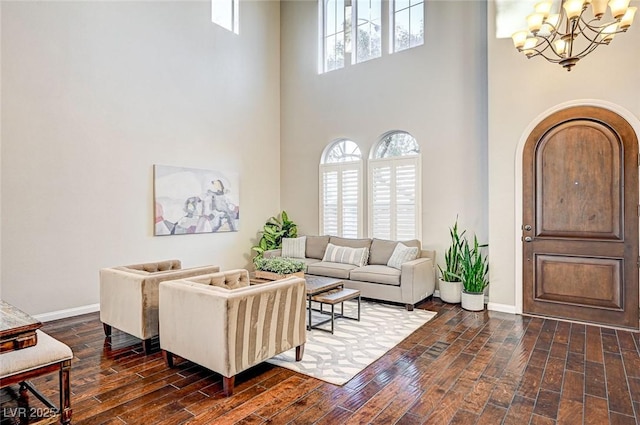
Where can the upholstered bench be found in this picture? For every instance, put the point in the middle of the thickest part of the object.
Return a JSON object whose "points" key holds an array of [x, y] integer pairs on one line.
{"points": [[47, 356]]}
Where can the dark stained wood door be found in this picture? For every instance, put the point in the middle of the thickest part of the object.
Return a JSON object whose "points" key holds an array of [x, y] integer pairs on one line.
{"points": [[580, 218]]}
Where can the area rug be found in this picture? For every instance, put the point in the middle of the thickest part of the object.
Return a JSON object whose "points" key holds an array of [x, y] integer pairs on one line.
{"points": [[354, 345]]}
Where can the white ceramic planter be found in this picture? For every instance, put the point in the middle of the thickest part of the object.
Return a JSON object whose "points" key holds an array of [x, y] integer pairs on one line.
{"points": [[450, 292], [472, 301]]}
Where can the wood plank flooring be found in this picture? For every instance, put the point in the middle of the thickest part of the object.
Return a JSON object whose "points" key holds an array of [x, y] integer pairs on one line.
{"points": [[460, 368]]}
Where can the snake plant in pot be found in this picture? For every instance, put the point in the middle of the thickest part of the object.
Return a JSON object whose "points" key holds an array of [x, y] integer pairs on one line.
{"points": [[449, 283], [474, 274]]}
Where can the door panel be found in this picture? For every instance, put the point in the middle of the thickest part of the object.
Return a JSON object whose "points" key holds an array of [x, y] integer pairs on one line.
{"points": [[597, 281], [580, 218], [571, 162]]}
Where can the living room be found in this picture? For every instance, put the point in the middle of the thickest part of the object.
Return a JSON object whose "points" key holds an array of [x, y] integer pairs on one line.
{"points": [[95, 93]]}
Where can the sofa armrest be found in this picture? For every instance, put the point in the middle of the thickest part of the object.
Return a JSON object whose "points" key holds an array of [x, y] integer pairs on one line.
{"points": [[271, 253], [417, 280]]}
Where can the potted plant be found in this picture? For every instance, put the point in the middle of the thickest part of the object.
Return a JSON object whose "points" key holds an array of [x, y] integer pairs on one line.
{"points": [[474, 274], [278, 268], [273, 231], [449, 283]]}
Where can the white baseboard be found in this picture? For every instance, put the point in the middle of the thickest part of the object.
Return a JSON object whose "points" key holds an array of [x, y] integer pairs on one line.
{"points": [[503, 308], [69, 312]]}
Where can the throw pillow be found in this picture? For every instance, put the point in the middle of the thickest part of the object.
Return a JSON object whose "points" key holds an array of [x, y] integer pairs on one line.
{"points": [[402, 254], [346, 255], [294, 247]]}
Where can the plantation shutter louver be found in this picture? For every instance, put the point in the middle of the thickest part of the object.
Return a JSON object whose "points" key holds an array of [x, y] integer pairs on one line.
{"points": [[394, 198], [341, 199]]}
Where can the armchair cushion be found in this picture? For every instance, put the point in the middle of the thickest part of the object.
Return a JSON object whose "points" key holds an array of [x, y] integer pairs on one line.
{"points": [[229, 279]]}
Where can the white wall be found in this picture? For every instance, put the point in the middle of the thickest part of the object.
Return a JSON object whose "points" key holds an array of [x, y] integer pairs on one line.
{"points": [[437, 92], [520, 90], [94, 94]]}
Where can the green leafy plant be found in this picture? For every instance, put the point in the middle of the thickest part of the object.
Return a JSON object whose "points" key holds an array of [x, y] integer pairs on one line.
{"points": [[279, 265], [273, 231], [451, 269], [474, 267]]}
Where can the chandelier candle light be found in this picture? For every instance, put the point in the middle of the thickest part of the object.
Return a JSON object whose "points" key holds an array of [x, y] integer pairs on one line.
{"points": [[572, 34]]}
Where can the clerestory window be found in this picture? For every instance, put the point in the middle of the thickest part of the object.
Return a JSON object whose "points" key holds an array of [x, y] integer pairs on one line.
{"points": [[333, 34], [407, 24], [226, 14], [368, 22]]}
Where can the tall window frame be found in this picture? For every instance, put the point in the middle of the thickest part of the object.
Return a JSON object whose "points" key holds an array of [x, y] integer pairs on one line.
{"points": [[394, 188], [341, 190], [333, 34], [367, 23], [226, 13], [407, 23]]}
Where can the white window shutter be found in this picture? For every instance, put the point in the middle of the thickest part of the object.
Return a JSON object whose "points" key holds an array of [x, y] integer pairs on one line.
{"points": [[394, 198], [341, 199]]}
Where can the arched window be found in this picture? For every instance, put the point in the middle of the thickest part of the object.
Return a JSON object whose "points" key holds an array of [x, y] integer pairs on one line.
{"points": [[341, 189], [395, 207]]}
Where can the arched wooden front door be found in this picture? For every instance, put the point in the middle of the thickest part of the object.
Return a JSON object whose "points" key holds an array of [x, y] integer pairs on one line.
{"points": [[580, 218]]}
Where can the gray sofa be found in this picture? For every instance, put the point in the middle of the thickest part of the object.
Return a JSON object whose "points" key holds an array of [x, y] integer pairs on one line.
{"points": [[413, 282]]}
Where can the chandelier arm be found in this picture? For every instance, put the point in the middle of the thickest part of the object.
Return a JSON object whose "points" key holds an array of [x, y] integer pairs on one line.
{"points": [[549, 45], [590, 48], [547, 57]]}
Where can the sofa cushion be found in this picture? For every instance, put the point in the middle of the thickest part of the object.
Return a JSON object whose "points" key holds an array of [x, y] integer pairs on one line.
{"points": [[376, 274], [294, 247], [352, 243], [381, 250], [402, 254], [328, 269], [316, 245], [346, 255]]}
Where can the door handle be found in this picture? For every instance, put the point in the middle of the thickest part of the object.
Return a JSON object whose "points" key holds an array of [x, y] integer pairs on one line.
{"points": [[527, 227], [528, 239]]}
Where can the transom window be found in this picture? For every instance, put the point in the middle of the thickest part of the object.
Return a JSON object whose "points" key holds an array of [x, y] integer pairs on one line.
{"points": [[341, 190], [225, 13], [407, 18]]}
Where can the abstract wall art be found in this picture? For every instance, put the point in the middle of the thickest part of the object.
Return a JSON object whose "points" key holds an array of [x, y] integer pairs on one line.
{"points": [[190, 200]]}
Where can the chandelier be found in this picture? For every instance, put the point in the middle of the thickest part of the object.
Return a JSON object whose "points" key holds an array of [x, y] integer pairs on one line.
{"points": [[574, 32]]}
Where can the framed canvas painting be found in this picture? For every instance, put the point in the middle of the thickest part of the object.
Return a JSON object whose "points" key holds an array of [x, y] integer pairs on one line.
{"points": [[191, 200]]}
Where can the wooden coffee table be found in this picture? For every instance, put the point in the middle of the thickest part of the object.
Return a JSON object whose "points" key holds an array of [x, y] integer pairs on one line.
{"points": [[17, 329], [328, 290]]}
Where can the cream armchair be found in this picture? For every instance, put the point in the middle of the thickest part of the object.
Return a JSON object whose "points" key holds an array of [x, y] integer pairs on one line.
{"points": [[129, 296], [220, 322]]}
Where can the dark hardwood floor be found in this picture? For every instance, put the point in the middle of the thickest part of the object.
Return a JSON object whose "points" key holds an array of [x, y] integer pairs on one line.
{"points": [[460, 368]]}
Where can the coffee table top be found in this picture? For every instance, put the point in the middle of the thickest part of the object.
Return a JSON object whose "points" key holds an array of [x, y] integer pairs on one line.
{"points": [[17, 329], [318, 284]]}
